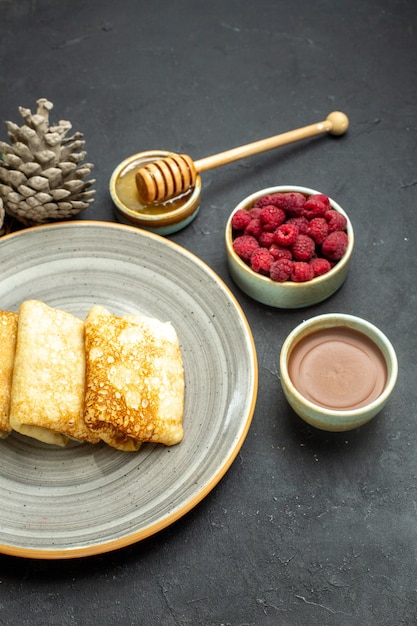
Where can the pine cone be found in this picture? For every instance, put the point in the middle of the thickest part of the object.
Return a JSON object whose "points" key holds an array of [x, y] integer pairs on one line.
{"points": [[41, 175], [2, 214]]}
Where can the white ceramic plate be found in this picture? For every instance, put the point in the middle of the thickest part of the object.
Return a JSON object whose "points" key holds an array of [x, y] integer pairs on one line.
{"points": [[84, 499]]}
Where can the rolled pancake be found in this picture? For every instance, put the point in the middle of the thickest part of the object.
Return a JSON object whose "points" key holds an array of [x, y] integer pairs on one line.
{"points": [[8, 332], [134, 380], [49, 376]]}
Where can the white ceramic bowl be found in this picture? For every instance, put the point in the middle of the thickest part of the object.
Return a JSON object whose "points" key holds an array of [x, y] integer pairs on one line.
{"points": [[360, 370], [165, 218], [286, 295]]}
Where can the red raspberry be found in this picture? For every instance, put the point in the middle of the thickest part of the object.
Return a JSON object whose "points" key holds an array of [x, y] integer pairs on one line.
{"points": [[290, 202], [261, 261], [320, 266], [240, 219], [244, 246], [301, 222], [293, 203], [266, 239], [281, 270], [280, 252], [335, 245], [271, 217], [254, 228], [318, 229], [286, 234], [323, 198], [255, 212], [335, 220], [303, 248], [265, 200], [301, 272], [315, 206]]}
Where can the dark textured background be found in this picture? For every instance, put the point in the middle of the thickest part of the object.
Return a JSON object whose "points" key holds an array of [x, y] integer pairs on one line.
{"points": [[307, 528]]}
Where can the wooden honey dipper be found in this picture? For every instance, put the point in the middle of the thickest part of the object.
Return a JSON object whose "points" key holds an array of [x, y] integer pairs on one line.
{"points": [[166, 178]]}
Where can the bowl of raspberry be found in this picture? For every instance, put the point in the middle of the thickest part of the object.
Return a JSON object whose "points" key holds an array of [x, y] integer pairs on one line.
{"points": [[337, 371], [289, 246]]}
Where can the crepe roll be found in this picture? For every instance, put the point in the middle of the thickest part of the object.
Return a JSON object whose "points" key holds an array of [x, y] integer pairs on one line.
{"points": [[48, 386], [8, 332], [134, 380]]}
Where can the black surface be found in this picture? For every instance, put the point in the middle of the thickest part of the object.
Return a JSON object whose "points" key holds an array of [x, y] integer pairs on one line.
{"points": [[306, 527]]}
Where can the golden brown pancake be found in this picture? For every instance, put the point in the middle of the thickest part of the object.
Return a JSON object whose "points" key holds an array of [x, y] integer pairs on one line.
{"points": [[49, 376], [134, 380], [8, 332]]}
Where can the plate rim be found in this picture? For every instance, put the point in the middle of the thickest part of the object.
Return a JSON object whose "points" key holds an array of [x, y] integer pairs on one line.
{"points": [[163, 523]]}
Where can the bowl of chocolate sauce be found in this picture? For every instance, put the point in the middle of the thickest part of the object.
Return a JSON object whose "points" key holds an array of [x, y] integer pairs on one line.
{"points": [[337, 371]]}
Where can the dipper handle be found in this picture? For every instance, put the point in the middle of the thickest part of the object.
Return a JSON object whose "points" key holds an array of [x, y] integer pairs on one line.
{"points": [[172, 176]]}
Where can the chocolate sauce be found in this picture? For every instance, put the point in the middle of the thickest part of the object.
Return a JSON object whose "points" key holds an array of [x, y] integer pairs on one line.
{"points": [[338, 368]]}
